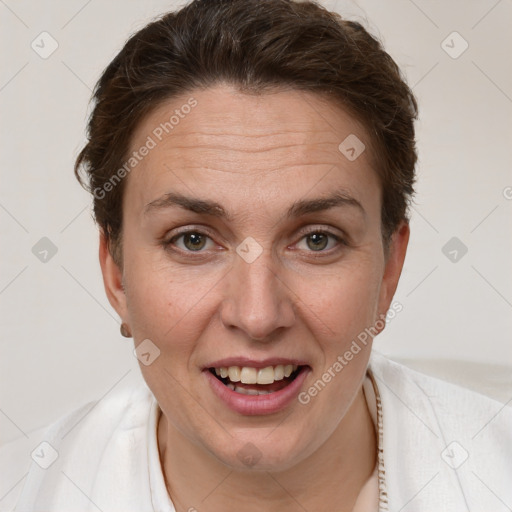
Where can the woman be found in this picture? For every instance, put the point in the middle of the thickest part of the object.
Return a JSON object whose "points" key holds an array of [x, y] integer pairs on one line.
{"points": [[251, 163]]}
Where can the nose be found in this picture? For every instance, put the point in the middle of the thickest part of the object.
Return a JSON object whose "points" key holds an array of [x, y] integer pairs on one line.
{"points": [[257, 300]]}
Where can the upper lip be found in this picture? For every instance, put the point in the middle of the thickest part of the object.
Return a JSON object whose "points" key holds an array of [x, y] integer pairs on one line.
{"points": [[253, 363]]}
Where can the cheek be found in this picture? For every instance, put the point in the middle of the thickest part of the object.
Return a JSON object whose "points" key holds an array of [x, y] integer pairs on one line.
{"points": [[343, 303], [162, 298], [347, 306]]}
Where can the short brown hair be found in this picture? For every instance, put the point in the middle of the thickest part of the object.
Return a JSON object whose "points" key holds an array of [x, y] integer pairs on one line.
{"points": [[253, 45]]}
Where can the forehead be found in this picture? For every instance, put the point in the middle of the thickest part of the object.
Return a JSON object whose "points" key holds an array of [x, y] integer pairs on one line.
{"points": [[236, 145]]}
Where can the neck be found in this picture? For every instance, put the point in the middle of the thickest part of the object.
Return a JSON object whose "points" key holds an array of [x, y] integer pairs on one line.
{"points": [[330, 479]]}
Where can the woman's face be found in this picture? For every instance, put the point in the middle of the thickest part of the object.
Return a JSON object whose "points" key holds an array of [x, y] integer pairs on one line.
{"points": [[287, 268]]}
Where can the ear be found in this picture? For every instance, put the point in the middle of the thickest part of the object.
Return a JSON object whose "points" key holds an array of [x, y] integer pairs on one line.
{"points": [[393, 266], [112, 278]]}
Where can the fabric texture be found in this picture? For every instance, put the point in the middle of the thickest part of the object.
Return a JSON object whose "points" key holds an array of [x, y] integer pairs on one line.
{"points": [[370, 498], [441, 447]]}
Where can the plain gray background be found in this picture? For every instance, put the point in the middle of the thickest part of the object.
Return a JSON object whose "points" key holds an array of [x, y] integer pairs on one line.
{"points": [[60, 343]]}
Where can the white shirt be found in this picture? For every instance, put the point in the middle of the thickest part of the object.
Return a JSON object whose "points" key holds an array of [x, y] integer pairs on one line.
{"points": [[441, 448]]}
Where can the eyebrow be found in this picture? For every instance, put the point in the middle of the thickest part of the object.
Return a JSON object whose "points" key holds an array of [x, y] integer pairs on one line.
{"points": [[297, 209]]}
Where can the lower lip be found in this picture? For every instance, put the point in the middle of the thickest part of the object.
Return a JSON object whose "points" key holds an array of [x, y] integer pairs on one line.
{"points": [[252, 405]]}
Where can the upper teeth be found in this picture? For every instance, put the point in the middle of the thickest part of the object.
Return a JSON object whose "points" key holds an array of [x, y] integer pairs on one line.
{"points": [[248, 375]]}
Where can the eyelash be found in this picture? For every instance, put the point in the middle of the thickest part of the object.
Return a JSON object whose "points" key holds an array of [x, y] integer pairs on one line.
{"points": [[340, 241]]}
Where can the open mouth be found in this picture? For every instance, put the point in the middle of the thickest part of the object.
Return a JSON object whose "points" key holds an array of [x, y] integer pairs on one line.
{"points": [[254, 381]]}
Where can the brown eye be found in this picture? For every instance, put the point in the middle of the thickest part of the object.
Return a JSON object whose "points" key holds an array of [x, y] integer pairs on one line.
{"points": [[194, 241], [190, 241], [317, 241], [320, 241]]}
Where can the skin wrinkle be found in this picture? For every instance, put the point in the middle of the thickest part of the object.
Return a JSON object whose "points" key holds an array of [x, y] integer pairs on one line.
{"points": [[200, 310], [209, 151], [267, 171], [240, 150]]}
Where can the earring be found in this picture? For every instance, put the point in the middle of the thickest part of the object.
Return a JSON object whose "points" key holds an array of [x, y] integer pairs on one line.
{"points": [[125, 330]]}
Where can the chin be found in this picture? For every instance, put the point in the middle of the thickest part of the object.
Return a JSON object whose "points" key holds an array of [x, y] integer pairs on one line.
{"points": [[267, 452]]}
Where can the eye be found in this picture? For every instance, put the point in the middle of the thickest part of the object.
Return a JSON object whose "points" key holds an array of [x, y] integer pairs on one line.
{"points": [[318, 241], [193, 241]]}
